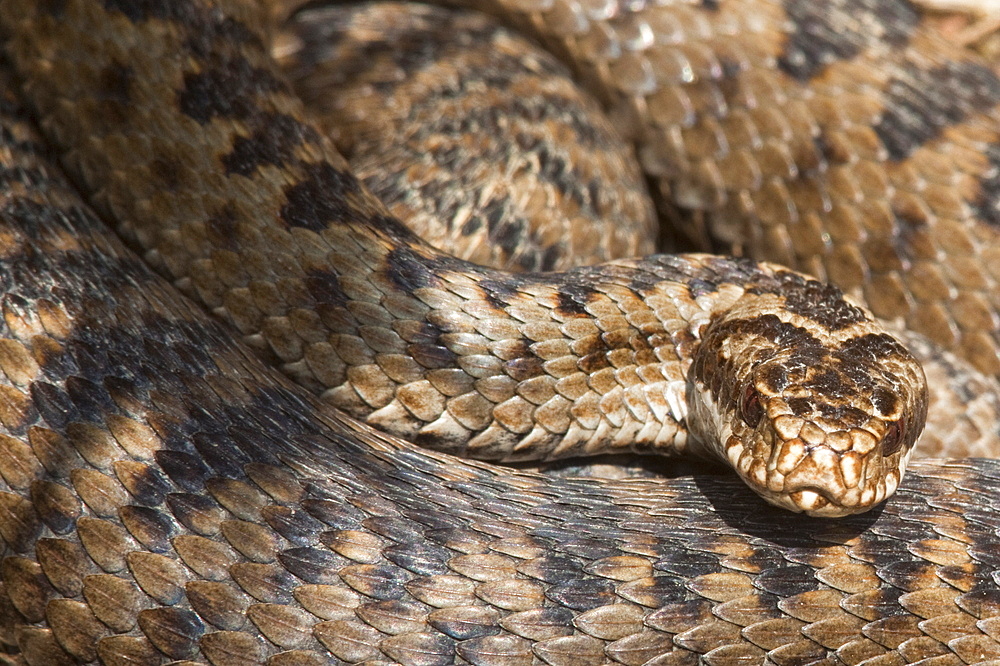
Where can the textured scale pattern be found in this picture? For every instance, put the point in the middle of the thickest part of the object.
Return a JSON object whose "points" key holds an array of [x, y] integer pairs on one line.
{"points": [[165, 496], [474, 137], [168, 497], [289, 247], [378, 71], [874, 167]]}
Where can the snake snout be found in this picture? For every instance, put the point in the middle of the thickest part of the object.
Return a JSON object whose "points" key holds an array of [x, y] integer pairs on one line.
{"points": [[797, 452], [816, 479], [828, 484]]}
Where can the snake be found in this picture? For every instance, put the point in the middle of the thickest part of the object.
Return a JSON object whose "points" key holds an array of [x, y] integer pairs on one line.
{"points": [[813, 403], [169, 496]]}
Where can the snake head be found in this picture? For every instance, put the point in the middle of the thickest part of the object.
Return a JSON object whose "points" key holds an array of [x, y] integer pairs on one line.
{"points": [[814, 419]]}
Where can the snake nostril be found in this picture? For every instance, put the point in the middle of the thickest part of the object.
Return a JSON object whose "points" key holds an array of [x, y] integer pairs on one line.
{"points": [[750, 408], [892, 441]]}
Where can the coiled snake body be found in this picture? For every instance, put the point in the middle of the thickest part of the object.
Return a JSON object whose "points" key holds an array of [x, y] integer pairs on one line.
{"points": [[169, 497]]}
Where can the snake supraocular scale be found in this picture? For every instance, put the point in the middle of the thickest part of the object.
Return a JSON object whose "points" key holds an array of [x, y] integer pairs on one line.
{"points": [[168, 497]]}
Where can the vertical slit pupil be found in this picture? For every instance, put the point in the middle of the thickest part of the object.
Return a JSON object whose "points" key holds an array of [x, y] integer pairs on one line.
{"points": [[893, 439], [750, 407]]}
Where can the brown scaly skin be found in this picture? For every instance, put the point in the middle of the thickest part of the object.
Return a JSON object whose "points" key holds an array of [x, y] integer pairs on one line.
{"points": [[406, 90], [473, 136], [250, 209], [165, 497], [835, 137]]}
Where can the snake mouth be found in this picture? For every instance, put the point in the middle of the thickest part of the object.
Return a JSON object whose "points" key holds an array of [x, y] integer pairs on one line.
{"points": [[818, 503], [820, 483]]}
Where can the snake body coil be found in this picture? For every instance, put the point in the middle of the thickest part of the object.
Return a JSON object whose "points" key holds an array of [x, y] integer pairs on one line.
{"points": [[169, 497], [813, 404]]}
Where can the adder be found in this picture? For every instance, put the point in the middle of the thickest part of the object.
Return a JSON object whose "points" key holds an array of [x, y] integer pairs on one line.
{"points": [[169, 496]]}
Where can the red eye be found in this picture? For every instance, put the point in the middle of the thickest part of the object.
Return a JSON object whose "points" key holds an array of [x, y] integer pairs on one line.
{"points": [[892, 441], [750, 407]]}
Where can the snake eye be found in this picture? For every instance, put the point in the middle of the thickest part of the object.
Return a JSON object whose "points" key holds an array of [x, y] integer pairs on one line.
{"points": [[892, 441], [750, 408]]}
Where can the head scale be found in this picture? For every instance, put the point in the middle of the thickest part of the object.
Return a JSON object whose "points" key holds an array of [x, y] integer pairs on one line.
{"points": [[815, 418]]}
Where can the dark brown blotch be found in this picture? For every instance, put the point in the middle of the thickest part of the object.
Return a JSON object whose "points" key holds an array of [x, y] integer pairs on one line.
{"points": [[774, 378], [320, 198], [410, 271], [572, 299], [921, 103], [499, 292], [274, 142], [818, 301], [823, 33], [885, 402], [471, 226], [870, 349], [227, 88], [504, 230]]}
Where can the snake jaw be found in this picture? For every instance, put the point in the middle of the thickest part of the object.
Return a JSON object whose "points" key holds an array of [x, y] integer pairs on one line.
{"points": [[815, 482], [798, 457], [828, 437], [819, 502]]}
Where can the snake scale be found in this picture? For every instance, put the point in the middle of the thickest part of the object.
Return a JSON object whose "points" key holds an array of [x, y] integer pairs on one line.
{"points": [[168, 496]]}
